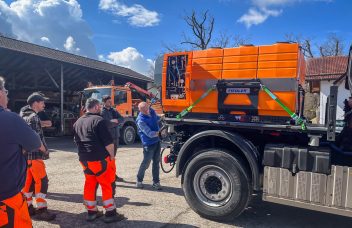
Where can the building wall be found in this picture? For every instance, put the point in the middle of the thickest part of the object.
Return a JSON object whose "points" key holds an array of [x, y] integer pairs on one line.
{"points": [[324, 93]]}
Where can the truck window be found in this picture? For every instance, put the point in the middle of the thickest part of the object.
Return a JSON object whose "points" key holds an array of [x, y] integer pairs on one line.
{"points": [[120, 97], [175, 78], [97, 93]]}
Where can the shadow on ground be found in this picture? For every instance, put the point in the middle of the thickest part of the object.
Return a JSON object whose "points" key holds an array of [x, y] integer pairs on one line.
{"points": [[265, 214], [78, 198], [148, 187], [69, 220]]}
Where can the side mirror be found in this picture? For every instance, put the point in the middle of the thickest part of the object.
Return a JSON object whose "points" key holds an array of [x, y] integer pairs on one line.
{"points": [[348, 82]]}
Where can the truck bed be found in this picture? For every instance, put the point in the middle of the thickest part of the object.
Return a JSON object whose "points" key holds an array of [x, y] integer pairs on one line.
{"points": [[311, 128]]}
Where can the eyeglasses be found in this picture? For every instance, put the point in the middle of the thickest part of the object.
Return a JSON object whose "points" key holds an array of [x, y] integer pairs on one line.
{"points": [[5, 91]]}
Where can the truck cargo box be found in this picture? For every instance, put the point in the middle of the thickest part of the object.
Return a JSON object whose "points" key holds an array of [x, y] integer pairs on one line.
{"points": [[237, 73]]}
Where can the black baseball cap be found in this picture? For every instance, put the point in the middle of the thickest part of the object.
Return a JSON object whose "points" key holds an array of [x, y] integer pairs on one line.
{"points": [[36, 97]]}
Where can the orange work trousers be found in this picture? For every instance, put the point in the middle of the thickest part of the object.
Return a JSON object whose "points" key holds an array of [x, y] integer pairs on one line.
{"points": [[99, 173], [37, 181], [14, 212]]}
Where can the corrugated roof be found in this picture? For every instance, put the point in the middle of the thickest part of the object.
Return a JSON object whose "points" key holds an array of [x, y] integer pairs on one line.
{"points": [[326, 68], [33, 49]]}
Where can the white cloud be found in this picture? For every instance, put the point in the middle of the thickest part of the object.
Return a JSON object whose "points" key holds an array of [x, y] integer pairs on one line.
{"points": [[255, 17], [130, 58], [70, 45], [261, 10], [49, 23], [45, 39], [137, 15]]}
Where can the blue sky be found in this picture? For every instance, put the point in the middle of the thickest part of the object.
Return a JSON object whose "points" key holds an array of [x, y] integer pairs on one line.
{"points": [[132, 33]]}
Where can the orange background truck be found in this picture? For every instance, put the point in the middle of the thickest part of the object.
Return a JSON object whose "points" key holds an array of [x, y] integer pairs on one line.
{"points": [[125, 99]]}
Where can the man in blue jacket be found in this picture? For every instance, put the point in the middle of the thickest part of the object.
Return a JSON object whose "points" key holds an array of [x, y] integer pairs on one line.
{"points": [[148, 130], [15, 136]]}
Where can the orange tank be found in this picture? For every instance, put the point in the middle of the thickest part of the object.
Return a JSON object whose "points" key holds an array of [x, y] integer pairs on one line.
{"points": [[237, 74]]}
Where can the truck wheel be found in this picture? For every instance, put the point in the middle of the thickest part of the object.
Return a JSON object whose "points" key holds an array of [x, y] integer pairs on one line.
{"points": [[216, 185], [128, 135]]}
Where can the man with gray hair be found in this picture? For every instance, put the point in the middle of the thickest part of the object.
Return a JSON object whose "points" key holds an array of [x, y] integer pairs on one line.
{"points": [[96, 154], [15, 135], [148, 130]]}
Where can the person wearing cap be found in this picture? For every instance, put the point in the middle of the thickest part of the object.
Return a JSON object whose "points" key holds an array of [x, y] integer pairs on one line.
{"points": [[37, 180], [114, 118], [97, 157], [15, 135]]}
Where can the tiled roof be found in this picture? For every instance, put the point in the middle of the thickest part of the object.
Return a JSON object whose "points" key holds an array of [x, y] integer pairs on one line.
{"points": [[326, 68], [33, 49]]}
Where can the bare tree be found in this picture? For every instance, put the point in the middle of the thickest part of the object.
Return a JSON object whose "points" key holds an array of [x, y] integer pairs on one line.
{"points": [[304, 42], [333, 46], [172, 48], [239, 40], [202, 29], [222, 40]]}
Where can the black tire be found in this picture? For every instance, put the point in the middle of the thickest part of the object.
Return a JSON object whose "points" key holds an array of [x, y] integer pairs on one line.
{"points": [[128, 135], [198, 185]]}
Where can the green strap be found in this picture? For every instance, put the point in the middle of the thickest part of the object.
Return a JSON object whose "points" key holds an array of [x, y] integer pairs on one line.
{"points": [[293, 115], [186, 111]]}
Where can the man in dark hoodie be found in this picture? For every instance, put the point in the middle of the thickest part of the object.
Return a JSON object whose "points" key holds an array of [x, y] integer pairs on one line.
{"points": [[37, 179], [114, 118]]}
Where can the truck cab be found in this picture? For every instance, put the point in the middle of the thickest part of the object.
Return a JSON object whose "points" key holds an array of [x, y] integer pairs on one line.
{"points": [[125, 100], [122, 101]]}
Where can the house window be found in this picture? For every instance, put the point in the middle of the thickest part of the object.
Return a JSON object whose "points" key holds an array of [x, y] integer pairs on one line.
{"points": [[315, 86]]}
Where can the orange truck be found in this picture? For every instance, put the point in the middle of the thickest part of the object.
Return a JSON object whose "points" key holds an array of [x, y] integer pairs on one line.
{"points": [[236, 124], [125, 99]]}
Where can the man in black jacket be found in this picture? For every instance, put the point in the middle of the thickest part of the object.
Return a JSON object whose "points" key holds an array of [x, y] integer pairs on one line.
{"points": [[96, 154], [114, 118]]}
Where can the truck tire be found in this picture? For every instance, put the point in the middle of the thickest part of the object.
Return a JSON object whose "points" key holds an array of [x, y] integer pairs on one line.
{"points": [[216, 185], [128, 135]]}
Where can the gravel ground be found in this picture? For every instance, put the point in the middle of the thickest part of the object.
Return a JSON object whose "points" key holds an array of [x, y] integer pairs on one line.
{"points": [[149, 208]]}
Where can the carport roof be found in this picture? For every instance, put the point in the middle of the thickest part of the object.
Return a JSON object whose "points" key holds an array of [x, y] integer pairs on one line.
{"points": [[64, 57]]}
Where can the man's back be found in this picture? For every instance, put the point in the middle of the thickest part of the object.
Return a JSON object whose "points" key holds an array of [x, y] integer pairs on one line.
{"points": [[91, 137], [15, 134]]}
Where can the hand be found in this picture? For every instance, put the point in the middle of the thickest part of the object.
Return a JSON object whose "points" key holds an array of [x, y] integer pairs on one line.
{"points": [[114, 121], [112, 158], [162, 116], [42, 148]]}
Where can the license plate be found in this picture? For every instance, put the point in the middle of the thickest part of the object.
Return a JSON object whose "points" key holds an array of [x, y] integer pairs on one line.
{"points": [[238, 90]]}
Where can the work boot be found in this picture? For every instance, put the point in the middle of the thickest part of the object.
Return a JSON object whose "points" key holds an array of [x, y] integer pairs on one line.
{"points": [[31, 210], [139, 185], [118, 179], [44, 215], [157, 186], [113, 216], [92, 215]]}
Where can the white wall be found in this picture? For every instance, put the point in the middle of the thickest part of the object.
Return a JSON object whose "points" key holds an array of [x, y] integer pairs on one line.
{"points": [[324, 93]]}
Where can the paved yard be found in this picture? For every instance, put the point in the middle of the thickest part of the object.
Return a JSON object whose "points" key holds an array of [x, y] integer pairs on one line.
{"points": [[149, 208]]}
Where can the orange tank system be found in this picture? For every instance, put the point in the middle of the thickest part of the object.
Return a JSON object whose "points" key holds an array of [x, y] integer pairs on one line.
{"points": [[238, 74]]}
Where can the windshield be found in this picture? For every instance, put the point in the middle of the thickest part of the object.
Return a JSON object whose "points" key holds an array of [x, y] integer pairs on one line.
{"points": [[97, 93]]}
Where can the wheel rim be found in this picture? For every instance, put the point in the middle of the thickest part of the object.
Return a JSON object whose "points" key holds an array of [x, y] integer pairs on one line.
{"points": [[212, 186], [129, 135]]}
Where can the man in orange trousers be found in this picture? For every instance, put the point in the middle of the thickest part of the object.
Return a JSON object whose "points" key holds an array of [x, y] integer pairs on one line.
{"points": [[15, 135], [96, 154]]}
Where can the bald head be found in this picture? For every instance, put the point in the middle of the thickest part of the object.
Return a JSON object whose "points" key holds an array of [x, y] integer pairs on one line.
{"points": [[144, 108]]}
